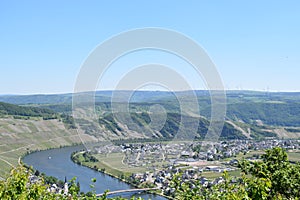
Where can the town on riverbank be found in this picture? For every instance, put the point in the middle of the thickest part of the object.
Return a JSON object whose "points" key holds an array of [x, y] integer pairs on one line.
{"points": [[155, 164]]}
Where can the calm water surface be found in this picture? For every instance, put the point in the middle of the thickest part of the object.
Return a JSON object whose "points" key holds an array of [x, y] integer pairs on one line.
{"points": [[61, 165]]}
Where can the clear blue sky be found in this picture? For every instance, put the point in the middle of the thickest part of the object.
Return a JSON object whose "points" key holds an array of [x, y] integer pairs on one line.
{"points": [[255, 45]]}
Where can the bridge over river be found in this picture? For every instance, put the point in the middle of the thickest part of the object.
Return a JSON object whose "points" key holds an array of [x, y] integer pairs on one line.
{"points": [[128, 190]]}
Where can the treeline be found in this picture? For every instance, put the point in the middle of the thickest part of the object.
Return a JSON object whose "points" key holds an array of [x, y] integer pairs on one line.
{"points": [[79, 158], [270, 113], [280, 110], [68, 121], [25, 112], [11, 109], [58, 108], [276, 114]]}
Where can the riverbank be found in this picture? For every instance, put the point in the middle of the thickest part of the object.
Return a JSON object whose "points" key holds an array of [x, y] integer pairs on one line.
{"points": [[16, 156], [20, 160], [85, 159], [60, 166], [22, 136]]}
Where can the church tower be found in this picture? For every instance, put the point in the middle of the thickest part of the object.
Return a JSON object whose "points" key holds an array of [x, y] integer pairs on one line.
{"points": [[66, 187]]}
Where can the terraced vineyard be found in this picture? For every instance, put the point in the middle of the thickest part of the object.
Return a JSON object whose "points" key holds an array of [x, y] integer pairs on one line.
{"points": [[19, 136]]}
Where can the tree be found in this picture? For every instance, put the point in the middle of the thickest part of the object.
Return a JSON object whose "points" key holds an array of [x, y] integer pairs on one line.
{"points": [[37, 173], [18, 186], [186, 190], [277, 176]]}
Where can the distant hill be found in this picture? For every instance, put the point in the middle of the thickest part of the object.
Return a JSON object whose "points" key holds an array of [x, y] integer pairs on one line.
{"points": [[171, 126], [112, 127], [253, 108], [27, 112], [101, 96], [11, 109], [37, 99], [272, 113], [153, 96], [33, 122]]}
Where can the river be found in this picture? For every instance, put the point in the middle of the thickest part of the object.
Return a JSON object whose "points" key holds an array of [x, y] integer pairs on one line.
{"points": [[57, 163]]}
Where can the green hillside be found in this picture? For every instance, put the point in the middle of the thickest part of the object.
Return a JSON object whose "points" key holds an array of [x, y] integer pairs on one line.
{"points": [[19, 136], [40, 126], [171, 126], [272, 113], [11, 109], [271, 108]]}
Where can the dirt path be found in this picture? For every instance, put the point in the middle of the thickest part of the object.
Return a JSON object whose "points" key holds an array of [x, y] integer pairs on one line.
{"points": [[247, 134], [16, 149], [7, 162]]}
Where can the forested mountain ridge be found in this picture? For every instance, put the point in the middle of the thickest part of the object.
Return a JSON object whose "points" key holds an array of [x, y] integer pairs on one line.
{"points": [[170, 128], [272, 108], [111, 127], [11, 109], [27, 112], [255, 114]]}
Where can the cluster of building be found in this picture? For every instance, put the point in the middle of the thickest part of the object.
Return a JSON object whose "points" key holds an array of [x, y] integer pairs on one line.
{"points": [[231, 148], [147, 154], [53, 188], [161, 179], [192, 159], [163, 160]]}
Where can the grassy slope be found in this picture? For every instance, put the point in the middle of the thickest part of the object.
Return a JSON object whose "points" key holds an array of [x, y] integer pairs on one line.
{"points": [[18, 136]]}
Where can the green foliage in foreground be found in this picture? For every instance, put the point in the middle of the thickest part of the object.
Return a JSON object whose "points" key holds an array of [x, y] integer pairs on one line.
{"points": [[18, 187], [274, 177]]}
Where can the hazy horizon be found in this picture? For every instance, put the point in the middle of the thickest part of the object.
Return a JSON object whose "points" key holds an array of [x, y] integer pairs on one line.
{"points": [[65, 93]]}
